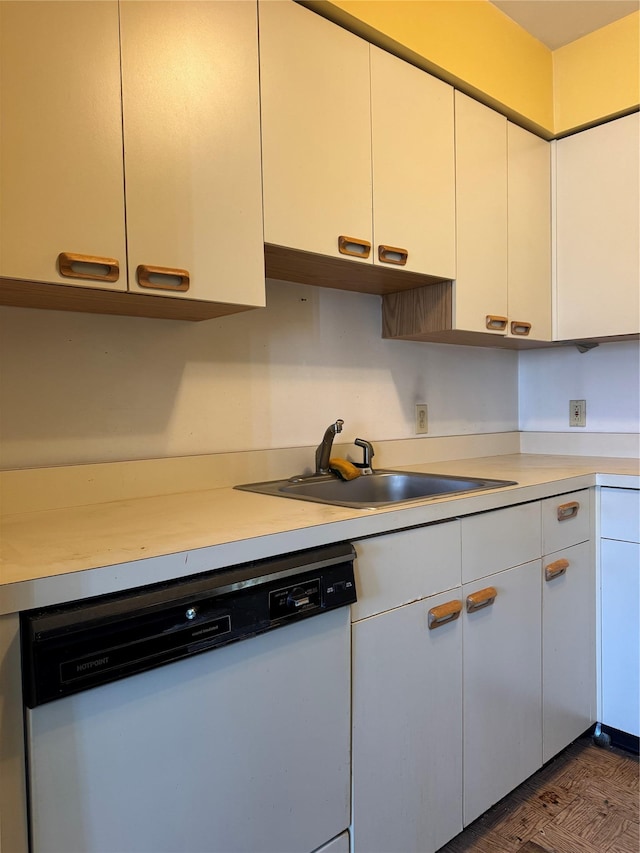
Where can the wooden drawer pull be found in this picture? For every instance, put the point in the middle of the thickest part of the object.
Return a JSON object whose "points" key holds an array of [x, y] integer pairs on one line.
{"points": [[567, 511], [518, 328], [444, 613], [481, 598], [555, 569], [496, 323], [162, 278], [88, 266], [391, 255], [353, 246]]}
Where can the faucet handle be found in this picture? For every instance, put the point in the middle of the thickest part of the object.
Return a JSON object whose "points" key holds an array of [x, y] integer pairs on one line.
{"points": [[368, 453]]}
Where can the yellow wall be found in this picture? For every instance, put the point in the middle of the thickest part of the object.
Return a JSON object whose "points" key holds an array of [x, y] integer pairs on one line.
{"points": [[476, 47], [470, 43], [598, 75]]}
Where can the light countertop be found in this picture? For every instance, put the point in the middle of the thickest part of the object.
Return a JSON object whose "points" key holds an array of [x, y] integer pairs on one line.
{"points": [[61, 554]]}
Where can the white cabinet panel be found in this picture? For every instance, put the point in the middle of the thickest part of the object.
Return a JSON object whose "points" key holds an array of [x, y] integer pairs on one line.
{"points": [[413, 165], [192, 148], [620, 514], [402, 567], [529, 235], [620, 632], [568, 647], [481, 215], [61, 170], [338, 845], [316, 130], [598, 231], [407, 729], [497, 540], [501, 687]]}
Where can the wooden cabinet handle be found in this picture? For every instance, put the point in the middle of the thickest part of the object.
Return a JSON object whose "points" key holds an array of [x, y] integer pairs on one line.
{"points": [[443, 613], [392, 255], [162, 278], [568, 510], [353, 246], [481, 598], [518, 328], [555, 569], [88, 266], [496, 323]]}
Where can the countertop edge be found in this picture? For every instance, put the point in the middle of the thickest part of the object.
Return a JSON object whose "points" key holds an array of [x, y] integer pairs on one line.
{"points": [[80, 584]]}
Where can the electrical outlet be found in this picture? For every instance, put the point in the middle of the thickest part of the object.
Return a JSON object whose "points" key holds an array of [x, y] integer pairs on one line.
{"points": [[577, 413], [422, 423]]}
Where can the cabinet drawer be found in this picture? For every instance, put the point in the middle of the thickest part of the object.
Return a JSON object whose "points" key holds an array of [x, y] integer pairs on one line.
{"points": [[566, 521], [401, 567], [620, 514], [493, 541]]}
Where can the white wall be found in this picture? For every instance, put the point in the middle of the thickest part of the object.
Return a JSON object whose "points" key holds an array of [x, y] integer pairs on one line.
{"points": [[607, 377], [84, 388]]}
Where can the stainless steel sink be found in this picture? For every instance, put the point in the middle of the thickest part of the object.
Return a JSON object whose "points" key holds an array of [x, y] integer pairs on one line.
{"points": [[378, 489]]}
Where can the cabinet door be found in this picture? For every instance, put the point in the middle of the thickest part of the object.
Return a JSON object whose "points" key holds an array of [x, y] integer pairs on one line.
{"points": [[192, 149], [61, 180], [620, 632], [598, 231], [481, 217], [316, 132], [407, 730], [529, 235], [502, 687], [413, 166], [568, 644]]}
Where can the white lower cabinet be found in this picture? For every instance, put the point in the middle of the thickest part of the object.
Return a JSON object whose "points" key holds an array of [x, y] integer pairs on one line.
{"points": [[568, 647], [620, 609], [407, 691], [473, 663], [501, 685], [620, 597], [568, 621], [407, 727]]}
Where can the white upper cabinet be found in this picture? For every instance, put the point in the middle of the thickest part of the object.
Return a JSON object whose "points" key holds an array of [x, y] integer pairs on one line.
{"points": [[502, 290], [529, 235], [413, 167], [358, 153], [598, 231], [481, 215], [61, 181], [316, 133], [186, 86], [192, 150]]}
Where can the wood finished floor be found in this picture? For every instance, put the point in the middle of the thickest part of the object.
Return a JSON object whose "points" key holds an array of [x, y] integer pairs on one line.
{"points": [[584, 801]]}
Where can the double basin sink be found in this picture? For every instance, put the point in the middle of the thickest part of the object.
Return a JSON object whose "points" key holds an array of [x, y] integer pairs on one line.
{"points": [[377, 489]]}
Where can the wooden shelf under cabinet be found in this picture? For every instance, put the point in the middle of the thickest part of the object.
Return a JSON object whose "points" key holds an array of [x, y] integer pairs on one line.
{"points": [[63, 297], [284, 264], [426, 314]]}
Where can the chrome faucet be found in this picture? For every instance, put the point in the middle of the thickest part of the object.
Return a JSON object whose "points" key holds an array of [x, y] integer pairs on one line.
{"points": [[323, 450], [367, 456]]}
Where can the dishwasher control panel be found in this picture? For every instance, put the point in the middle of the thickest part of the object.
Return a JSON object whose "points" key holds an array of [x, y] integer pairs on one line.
{"points": [[80, 645]]}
